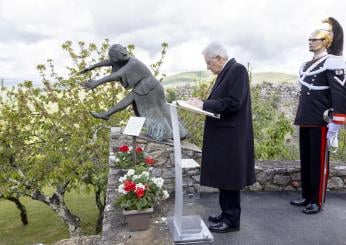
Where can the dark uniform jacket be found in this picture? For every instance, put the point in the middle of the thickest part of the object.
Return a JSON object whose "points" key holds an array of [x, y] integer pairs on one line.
{"points": [[322, 88], [228, 146]]}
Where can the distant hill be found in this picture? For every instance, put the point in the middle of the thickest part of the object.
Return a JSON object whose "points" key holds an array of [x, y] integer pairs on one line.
{"points": [[184, 78], [273, 77]]}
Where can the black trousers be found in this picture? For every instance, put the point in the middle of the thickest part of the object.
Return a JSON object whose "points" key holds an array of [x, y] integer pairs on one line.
{"points": [[314, 161], [230, 206]]}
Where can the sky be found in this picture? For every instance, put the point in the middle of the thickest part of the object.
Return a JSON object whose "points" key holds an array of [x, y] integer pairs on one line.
{"points": [[269, 34]]}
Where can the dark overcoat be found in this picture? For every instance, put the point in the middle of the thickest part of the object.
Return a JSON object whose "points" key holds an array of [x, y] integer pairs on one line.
{"points": [[228, 143]]}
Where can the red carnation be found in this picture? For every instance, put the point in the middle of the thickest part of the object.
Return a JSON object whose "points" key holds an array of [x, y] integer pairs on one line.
{"points": [[149, 160], [129, 185], [139, 149], [124, 148], [139, 192]]}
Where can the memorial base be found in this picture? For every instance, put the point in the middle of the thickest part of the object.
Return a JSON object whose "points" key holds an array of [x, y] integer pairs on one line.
{"points": [[193, 230]]}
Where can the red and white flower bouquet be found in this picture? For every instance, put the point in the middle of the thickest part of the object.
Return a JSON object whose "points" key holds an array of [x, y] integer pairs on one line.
{"points": [[138, 190], [124, 157]]}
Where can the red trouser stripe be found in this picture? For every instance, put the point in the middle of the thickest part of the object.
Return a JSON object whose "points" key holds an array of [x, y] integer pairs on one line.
{"points": [[324, 166]]}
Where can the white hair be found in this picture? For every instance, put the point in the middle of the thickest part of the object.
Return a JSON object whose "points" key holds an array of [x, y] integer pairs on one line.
{"points": [[215, 49]]}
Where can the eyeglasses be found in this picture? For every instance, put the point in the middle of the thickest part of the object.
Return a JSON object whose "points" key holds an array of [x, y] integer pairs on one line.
{"points": [[315, 39], [211, 61]]}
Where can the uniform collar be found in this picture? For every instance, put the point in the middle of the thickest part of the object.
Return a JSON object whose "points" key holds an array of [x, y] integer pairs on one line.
{"points": [[320, 55]]}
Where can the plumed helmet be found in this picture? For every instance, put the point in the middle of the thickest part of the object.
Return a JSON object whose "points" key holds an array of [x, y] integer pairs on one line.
{"points": [[336, 46], [118, 53], [325, 34], [331, 34]]}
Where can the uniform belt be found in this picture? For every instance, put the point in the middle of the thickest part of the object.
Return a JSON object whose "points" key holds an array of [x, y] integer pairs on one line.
{"points": [[313, 87]]}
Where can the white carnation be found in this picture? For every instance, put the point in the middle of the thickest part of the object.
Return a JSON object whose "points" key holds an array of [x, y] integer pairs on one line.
{"points": [[130, 172], [140, 185], [122, 179], [158, 182], [145, 173], [165, 195], [121, 189], [136, 177]]}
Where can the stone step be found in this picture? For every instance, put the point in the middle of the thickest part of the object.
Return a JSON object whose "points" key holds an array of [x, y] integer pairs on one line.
{"points": [[189, 163]]}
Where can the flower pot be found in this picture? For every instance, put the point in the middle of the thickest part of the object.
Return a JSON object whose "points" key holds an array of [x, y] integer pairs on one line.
{"points": [[138, 220]]}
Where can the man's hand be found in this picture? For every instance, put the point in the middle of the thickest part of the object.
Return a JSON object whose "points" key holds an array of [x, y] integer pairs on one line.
{"points": [[91, 84], [332, 136], [195, 102]]}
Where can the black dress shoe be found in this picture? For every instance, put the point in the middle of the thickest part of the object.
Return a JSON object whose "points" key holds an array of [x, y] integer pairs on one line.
{"points": [[312, 208], [215, 218], [299, 202], [223, 227]]}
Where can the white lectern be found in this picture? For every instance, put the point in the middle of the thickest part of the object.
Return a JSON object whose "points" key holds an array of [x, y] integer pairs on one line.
{"points": [[185, 229]]}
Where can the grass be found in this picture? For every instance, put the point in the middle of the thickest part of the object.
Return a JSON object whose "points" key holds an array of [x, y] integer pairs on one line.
{"points": [[44, 225]]}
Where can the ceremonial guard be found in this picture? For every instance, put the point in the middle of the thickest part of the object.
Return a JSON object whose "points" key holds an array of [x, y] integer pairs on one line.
{"points": [[321, 112]]}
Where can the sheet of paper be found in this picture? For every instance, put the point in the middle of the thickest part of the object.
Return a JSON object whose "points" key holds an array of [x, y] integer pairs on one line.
{"points": [[134, 126], [195, 109]]}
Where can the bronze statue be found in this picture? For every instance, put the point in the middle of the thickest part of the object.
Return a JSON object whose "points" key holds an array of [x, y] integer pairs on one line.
{"points": [[147, 95]]}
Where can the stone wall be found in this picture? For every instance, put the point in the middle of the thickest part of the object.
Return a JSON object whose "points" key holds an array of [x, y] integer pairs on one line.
{"points": [[285, 176], [271, 175]]}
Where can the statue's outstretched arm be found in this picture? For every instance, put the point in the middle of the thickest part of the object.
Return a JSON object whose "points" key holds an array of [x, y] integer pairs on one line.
{"points": [[125, 102], [91, 84], [107, 62], [128, 100]]}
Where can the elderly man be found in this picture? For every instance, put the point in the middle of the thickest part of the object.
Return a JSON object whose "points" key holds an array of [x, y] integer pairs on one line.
{"points": [[228, 146]]}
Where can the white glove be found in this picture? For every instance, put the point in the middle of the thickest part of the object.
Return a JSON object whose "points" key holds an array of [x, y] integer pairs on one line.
{"points": [[332, 136]]}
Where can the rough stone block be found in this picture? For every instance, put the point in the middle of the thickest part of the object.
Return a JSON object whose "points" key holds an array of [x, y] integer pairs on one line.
{"points": [[154, 147], [255, 187], [271, 187], [156, 172], [258, 169], [293, 170], [196, 178], [295, 176], [208, 189], [281, 179], [264, 177], [193, 172], [341, 170], [167, 173], [335, 183]]}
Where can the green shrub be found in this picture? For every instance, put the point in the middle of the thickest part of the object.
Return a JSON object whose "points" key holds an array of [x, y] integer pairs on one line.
{"points": [[271, 127]]}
